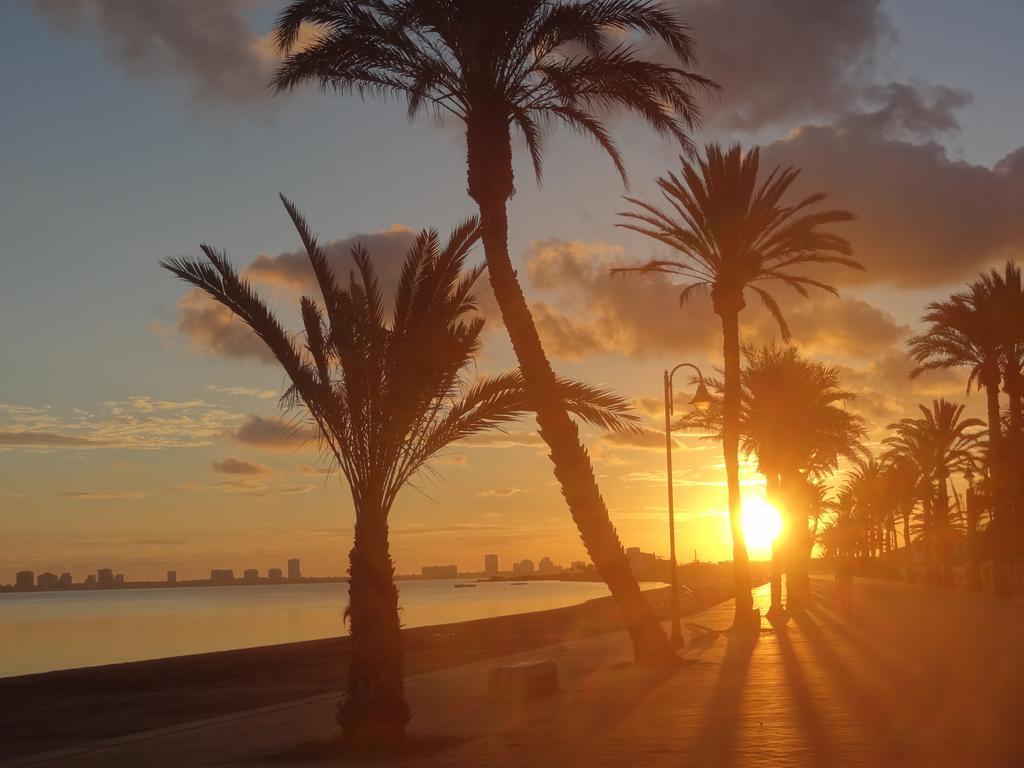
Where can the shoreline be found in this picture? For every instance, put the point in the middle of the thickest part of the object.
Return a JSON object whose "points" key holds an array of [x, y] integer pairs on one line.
{"points": [[10, 589], [66, 708]]}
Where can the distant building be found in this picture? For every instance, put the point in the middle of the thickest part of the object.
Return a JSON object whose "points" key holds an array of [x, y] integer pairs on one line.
{"points": [[251, 574], [274, 574], [172, 577], [294, 572], [65, 580], [440, 571], [548, 566], [578, 565], [222, 576], [48, 580], [119, 580], [90, 580], [24, 580], [105, 577], [525, 567], [646, 565], [490, 564]]}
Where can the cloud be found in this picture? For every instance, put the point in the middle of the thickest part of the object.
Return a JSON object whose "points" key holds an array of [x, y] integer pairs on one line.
{"points": [[261, 394], [245, 485], [232, 466], [590, 312], [652, 407], [306, 469], [419, 529], [387, 249], [648, 439], [208, 43], [259, 489], [885, 392], [826, 325], [785, 59], [138, 422], [49, 440], [102, 495], [501, 493], [509, 439], [924, 219], [214, 330], [275, 433]]}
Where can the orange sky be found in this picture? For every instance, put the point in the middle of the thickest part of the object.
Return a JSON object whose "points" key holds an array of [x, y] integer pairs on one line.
{"points": [[138, 425]]}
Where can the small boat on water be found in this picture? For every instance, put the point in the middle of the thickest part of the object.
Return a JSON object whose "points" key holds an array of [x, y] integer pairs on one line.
{"points": [[463, 586], [517, 583]]}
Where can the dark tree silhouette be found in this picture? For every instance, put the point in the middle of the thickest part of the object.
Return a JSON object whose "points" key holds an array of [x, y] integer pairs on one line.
{"points": [[733, 233], [386, 397], [794, 419], [980, 328], [939, 443], [503, 67]]}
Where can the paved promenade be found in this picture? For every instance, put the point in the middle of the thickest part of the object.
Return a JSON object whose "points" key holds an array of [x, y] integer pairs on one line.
{"points": [[916, 677]]}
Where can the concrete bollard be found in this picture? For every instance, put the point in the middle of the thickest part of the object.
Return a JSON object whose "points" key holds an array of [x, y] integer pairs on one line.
{"points": [[524, 680]]}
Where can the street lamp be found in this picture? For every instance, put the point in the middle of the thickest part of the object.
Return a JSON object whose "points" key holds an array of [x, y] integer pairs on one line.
{"points": [[702, 400]]}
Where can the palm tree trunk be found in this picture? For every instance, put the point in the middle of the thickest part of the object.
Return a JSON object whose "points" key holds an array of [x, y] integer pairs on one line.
{"points": [[973, 562], [942, 531], [1001, 521], [373, 713], [1013, 441], [743, 616], [798, 573], [908, 552], [778, 546], [928, 534], [489, 158]]}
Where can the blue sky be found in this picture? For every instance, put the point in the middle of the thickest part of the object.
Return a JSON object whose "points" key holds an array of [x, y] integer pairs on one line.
{"points": [[108, 168]]}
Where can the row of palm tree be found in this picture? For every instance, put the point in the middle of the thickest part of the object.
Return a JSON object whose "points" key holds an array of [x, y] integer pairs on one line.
{"points": [[731, 231], [981, 329], [387, 394], [902, 495]]}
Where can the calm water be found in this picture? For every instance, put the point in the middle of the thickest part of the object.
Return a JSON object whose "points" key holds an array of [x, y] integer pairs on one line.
{"points": [[61, 630]]}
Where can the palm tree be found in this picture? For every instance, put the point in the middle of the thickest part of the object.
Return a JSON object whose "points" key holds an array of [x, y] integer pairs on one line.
{"points": [[940, 443], [795, 419], [503, 67], [968, 330], [904, 478], [733, 233], [386, 397]]}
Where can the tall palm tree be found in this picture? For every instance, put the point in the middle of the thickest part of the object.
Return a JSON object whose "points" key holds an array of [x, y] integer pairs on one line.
{"points": [[968, 330], [386, 397], [942, 443], [731, 234], [504, 67]]}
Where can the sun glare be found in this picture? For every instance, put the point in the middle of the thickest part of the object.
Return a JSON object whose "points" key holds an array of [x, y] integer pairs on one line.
{"points": [[762, 524]]}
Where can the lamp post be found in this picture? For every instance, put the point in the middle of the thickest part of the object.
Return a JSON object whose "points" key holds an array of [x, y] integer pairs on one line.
{"points": [[701, 401]]}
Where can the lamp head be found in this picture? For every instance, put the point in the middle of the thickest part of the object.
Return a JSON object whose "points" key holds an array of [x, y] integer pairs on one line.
{"points": [[702, 399]]}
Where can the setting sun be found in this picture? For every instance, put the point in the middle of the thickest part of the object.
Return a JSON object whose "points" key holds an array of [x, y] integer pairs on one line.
{"points": [[762, 523]]}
